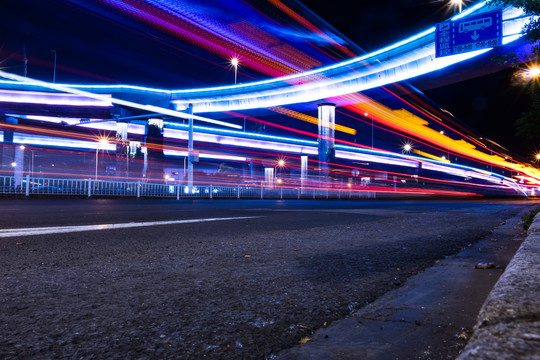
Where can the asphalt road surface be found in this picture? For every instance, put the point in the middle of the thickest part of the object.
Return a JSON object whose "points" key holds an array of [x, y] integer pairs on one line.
{"points": [[142, 279]]}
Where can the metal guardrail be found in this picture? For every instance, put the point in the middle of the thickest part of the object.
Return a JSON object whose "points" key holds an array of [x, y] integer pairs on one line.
{"points": [[39, 186]]}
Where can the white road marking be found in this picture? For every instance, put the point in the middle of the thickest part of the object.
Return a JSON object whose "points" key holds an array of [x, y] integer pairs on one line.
{"points": [[78, 228]]}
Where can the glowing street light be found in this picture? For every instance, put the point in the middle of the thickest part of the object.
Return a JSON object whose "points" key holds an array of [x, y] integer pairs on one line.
{"points": [[102, 143], [280, 164], [533, 72], [407, 147], [538, 156], [234, 63], [458, 3]]}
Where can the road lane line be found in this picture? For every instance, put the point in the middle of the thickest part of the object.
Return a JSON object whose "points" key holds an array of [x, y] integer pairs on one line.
{"points": [[78, 228]]}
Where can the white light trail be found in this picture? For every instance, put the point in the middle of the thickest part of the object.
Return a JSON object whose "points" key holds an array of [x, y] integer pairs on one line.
{"points": [[4, 233], [104, 98]]}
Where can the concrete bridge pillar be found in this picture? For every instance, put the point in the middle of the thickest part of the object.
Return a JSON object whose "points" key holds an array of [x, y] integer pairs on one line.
{"points": [[303, 171], [122, 149], [154, 149], [327, 123]]}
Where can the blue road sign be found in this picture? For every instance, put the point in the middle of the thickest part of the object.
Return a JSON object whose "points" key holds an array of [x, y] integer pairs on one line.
{"points": [[469, 34]]}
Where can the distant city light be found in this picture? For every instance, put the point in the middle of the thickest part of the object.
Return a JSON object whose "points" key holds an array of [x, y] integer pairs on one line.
{"points": [[13, 164]]}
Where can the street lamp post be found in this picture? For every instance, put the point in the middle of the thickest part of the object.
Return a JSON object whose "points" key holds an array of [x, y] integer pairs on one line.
{"points": [[54, 67], [234, 63], [280, 164], [447, 145]]}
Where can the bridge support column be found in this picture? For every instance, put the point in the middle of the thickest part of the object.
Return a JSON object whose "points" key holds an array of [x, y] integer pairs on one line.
{"points": [[191, 153], [122, 149], [154, 149], [303, 171], [327, 123]]}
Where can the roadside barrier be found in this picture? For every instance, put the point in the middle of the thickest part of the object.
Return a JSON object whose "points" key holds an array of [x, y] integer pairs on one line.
{"points": [[40, 186]]}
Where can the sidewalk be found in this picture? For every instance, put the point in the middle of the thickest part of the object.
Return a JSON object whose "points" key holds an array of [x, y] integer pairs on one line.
{"points": [[508, 326], [430, 317]]}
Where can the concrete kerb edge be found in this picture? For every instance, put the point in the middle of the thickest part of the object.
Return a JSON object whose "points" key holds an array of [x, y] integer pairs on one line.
{"points": [[508, 325]]}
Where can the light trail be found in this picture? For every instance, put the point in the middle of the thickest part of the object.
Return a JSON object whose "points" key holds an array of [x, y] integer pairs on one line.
{"points": [[18, 232], [104, 98]]}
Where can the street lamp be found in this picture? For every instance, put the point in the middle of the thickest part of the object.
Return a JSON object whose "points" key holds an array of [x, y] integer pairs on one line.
{"points": [[234, 63], [407, 147], [458, 3], [280, 164], [54, 67], [447, 145], [534, 72], [102, 143]]}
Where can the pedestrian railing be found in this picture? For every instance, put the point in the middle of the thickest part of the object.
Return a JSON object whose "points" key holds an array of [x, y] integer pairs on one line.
{"points": [[40, 186]]}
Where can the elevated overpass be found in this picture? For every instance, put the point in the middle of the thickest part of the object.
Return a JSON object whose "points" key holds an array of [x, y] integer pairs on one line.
{"points": [[404, 60]]}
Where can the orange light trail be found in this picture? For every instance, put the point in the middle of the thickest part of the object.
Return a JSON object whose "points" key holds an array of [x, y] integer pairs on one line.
{"points": [[309, 119]]}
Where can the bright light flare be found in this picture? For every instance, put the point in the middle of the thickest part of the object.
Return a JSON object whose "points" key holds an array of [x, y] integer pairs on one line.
{"points": [[457, 3], [533, 72], [407, 147]]}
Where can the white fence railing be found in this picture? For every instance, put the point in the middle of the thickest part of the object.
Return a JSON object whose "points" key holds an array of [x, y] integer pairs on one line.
{"points": [[39, 186]]}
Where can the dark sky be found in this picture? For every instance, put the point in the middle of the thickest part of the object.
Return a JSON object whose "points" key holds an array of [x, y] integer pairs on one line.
{"points": [[373, 24], [490, 104]]}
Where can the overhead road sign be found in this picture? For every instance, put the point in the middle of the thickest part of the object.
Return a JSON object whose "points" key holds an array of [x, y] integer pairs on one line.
{"points": [[469, 34]]}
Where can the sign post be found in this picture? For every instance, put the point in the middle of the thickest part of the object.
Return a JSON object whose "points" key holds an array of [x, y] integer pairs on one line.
{"points": [[469, 34]]}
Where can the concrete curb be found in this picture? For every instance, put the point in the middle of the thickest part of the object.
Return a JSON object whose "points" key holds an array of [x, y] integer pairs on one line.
{"points": [[508, 325]]}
